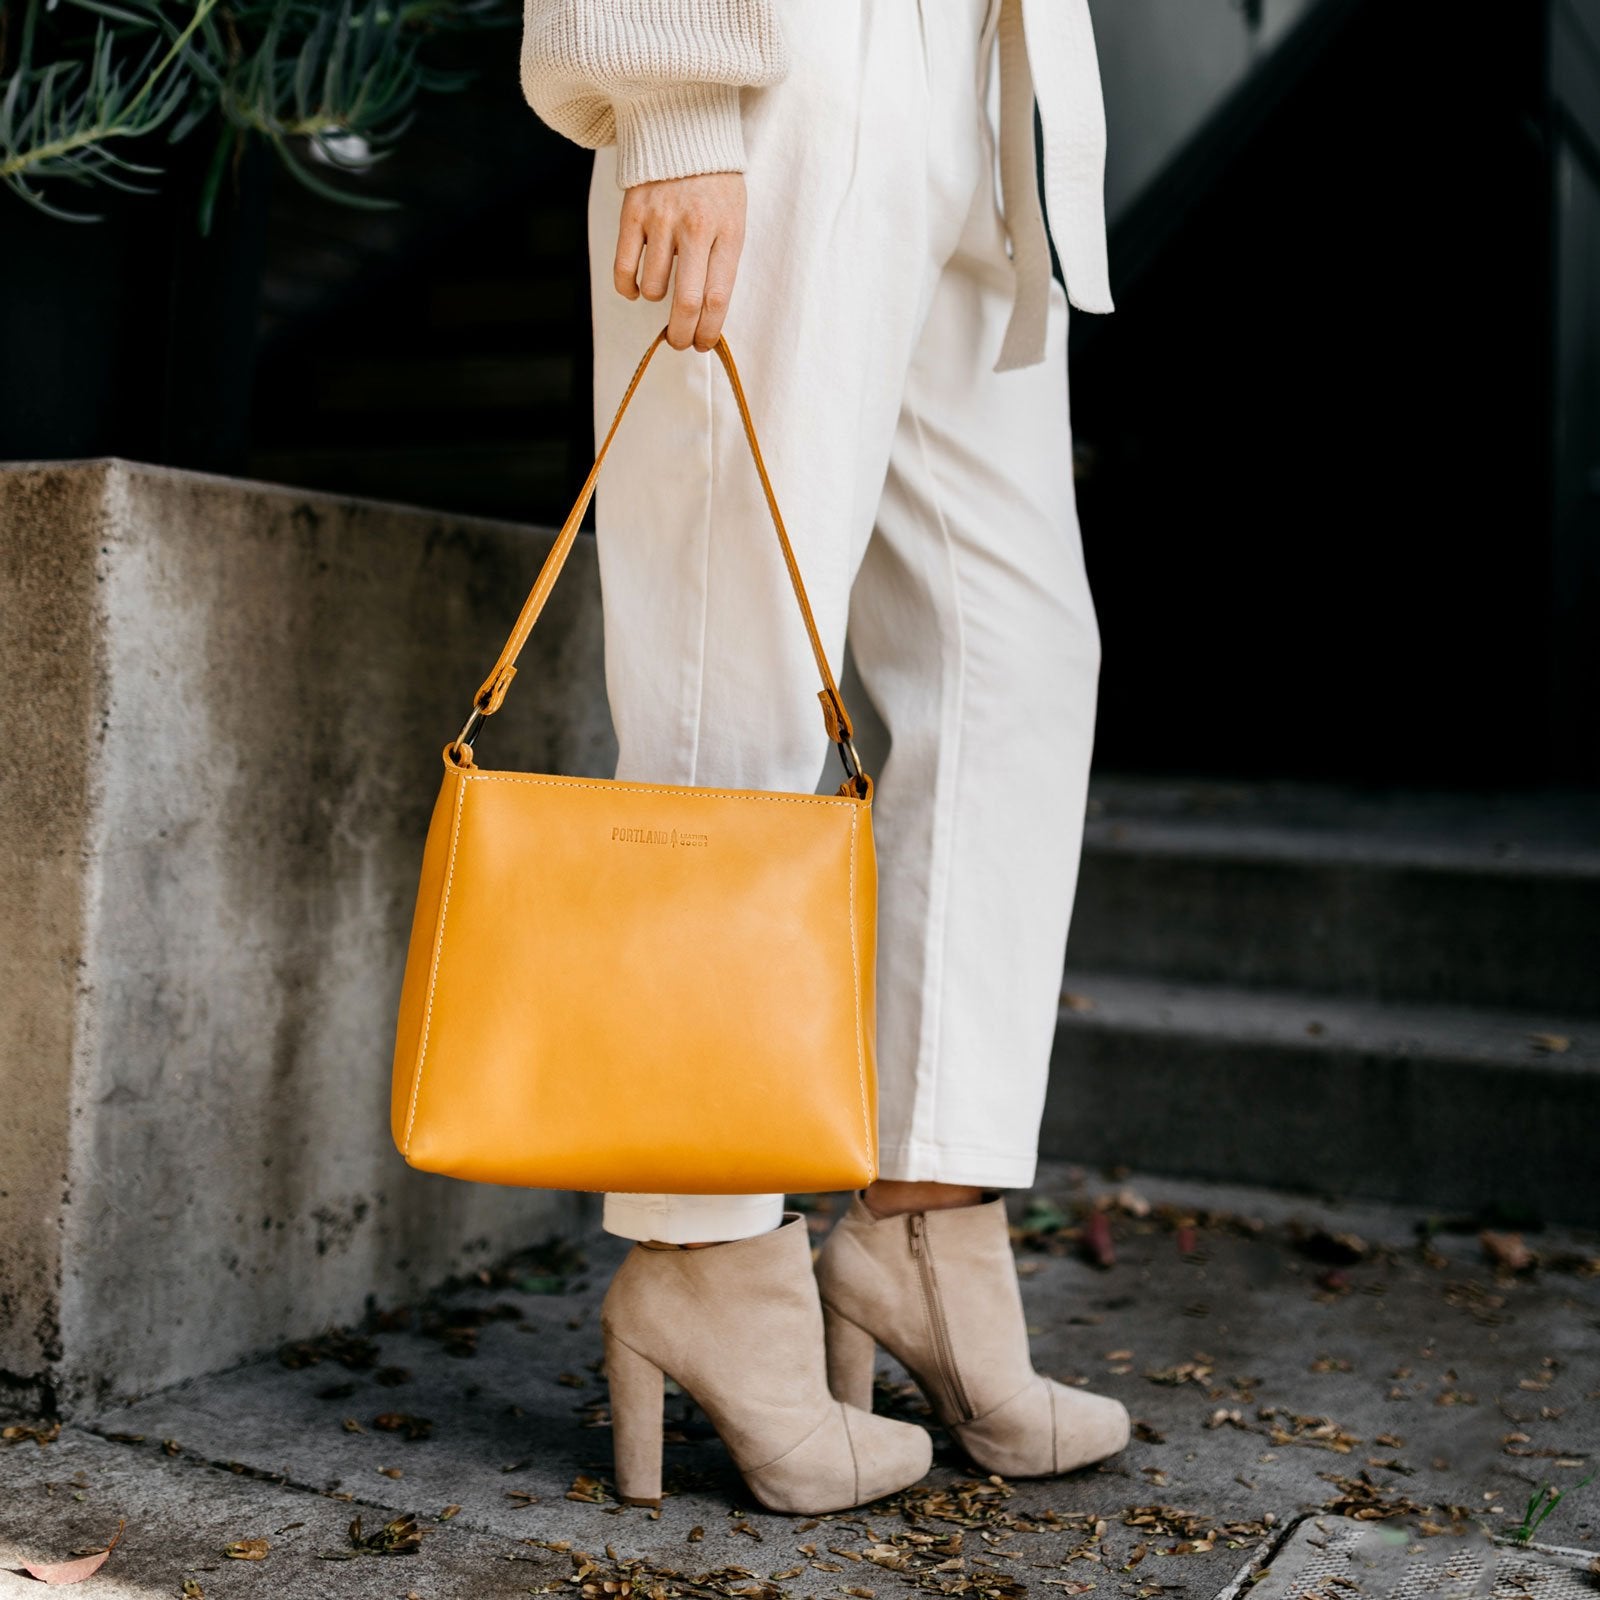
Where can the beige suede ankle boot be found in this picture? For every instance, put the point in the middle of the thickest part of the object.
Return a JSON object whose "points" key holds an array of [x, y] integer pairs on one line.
{"points": [[738, 1327], [938, 1290]]}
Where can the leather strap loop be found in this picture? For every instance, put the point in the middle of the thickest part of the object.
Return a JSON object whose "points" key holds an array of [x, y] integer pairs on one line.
{"points": [[493, 690]]}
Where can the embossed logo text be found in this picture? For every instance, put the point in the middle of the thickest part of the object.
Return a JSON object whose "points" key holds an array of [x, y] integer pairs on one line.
{"points": [[672, 837]]}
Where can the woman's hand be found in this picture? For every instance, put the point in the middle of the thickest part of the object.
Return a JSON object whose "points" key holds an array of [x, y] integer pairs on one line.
{"points": [[700, 220]]}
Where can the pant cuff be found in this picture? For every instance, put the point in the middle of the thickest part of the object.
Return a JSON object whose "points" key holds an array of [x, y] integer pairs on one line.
{"points": [[983, 1169], [691, 1218]]}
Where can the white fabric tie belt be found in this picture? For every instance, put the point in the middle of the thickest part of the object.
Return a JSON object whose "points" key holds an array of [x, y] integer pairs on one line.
{"points": [[1046, 48]]}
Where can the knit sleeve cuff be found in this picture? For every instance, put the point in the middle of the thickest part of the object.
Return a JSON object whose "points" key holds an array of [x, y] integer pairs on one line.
{"points": [[678, 130]]}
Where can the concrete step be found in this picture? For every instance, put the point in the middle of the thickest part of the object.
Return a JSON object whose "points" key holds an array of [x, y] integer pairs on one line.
{"points": [[1448, 1107], [204, 907], [1443, 899]]}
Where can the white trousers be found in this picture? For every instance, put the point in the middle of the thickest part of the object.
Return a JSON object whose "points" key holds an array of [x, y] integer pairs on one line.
{"points": [[930, 503]]}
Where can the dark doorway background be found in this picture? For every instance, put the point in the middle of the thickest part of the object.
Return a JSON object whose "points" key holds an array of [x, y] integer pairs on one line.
{"points": [[1340, 443]]}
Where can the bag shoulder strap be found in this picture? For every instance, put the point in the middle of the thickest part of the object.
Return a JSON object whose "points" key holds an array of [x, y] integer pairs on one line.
{"points": [[493, 691]]}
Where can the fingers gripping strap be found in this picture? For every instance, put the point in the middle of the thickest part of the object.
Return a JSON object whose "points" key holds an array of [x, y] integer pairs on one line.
{"points": [[493, 691]]}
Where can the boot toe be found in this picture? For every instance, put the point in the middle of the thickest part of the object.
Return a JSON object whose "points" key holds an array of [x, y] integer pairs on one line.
{"points": [[1088, 1427], [1046, 1428], [848, 1459], [890, 1455]]}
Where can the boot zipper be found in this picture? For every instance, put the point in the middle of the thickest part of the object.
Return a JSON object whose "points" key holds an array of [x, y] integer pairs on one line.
{"points": [[945, 1356]]}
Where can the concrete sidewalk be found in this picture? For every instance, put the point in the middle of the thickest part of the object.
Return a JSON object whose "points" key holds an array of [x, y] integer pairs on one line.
{"points": [[1280, 1355]]}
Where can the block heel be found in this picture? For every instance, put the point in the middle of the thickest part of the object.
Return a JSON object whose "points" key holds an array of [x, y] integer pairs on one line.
{"points": [[852, 1353], [638, 1394]]}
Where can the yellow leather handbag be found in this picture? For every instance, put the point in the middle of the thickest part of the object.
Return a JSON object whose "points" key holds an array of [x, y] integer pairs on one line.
{"points": [[638, 986]]}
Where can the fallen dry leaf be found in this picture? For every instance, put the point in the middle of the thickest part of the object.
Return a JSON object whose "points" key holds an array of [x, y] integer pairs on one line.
{"points": [[1193, 1529], [1507, 1250], [1320, 1433], [1330, 1364], [1329, 1248], [349, 1349], [42, 1433], [399, 1536], [403, 1422], [1097, 1245], [1196, 1371], [74, 1571], [1362, 1498]]}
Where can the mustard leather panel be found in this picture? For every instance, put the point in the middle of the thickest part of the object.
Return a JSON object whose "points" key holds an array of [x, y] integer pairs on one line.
{"points": [[633, 986]]}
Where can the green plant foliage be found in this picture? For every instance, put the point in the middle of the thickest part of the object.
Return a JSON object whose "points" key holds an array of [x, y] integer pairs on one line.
{"points": [[330, 84], [1541, 1503]]}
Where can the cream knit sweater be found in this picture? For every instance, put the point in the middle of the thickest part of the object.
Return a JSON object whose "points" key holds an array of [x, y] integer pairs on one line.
{"points": [[661, 80], [658, 78]]}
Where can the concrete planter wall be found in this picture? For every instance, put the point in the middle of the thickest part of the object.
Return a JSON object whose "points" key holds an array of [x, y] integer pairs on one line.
{"points": [[223, 710]]}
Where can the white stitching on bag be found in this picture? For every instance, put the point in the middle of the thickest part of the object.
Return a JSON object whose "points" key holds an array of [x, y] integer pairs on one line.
{"points": [[855, 968], [688, 791]]}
